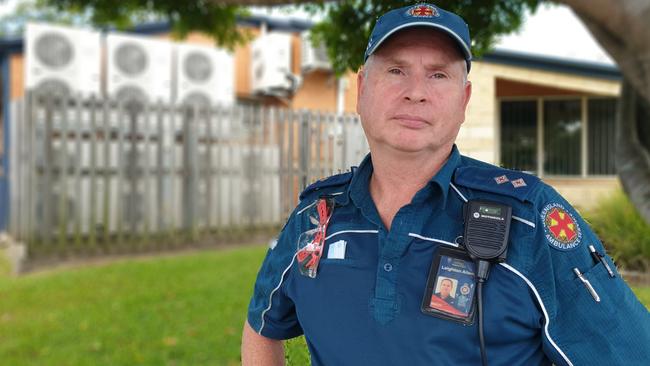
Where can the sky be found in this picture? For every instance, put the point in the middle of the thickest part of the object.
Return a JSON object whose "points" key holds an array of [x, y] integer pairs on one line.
{"points": [[553, 31]]}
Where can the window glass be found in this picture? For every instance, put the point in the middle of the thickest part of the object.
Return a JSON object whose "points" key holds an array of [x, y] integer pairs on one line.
{"points": [[562, 137], [519, 135]]}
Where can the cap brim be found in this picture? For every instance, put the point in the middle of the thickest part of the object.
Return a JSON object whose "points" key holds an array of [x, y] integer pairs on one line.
{"points": [[459, 41]]}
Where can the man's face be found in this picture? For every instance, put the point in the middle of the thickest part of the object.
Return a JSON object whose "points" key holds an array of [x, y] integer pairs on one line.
{"points": [[413, 94], [445, 288]]}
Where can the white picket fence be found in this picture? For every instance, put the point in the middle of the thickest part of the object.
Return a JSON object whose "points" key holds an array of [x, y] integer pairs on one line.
{"points": [[95, 173]]}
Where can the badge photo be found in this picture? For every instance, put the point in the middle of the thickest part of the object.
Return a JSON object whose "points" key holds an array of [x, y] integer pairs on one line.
{"points": [[450, 286]]}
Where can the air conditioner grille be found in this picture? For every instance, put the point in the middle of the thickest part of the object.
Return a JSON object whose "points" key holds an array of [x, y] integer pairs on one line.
{"points": [[55, 87], [197, 99], [54, 50], [131, 59], [197, 67], [132, 98]]}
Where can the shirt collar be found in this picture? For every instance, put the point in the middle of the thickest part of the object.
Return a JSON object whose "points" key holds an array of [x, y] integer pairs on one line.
{"points": [[359, 192], [443, 177]]}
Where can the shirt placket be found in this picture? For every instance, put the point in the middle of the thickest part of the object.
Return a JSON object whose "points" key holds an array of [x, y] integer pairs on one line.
{"points": [[392, 246]]}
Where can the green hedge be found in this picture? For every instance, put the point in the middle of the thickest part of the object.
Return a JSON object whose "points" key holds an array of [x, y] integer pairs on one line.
{"points": [[623, 231]]}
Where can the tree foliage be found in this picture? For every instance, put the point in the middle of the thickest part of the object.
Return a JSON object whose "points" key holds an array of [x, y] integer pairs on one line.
{"points": [[344, 30], [348, 23], [218, 20]]}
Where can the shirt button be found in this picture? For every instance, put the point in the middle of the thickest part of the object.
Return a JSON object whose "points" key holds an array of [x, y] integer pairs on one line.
{"points": [[388, 267]]}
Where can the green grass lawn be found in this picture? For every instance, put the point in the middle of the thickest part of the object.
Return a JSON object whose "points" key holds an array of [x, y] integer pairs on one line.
{"points": [[182, 310]]}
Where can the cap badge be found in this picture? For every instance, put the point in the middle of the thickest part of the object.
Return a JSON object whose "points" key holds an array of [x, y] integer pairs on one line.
{"points": [[423, 11]]}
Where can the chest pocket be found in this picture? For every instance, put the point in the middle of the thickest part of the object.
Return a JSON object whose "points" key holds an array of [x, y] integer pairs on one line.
{"points": [[350, 246]]}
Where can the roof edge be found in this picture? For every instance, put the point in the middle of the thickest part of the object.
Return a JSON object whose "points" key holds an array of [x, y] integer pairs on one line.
{"points": [[553, 63]]}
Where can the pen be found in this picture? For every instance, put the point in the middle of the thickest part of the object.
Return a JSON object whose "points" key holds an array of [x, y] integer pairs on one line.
{"points": [[587, 284], [593, 253], [601, 258]]}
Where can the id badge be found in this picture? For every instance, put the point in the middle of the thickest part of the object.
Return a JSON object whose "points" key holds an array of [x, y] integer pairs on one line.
{"points": [[451, 285]]}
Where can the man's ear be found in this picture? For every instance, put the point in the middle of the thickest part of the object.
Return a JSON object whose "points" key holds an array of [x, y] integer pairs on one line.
{"points": [[361, 78], [468, 93]]}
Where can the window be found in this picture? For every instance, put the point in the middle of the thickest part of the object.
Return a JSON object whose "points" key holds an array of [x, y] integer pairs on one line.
{"points": [[564, 128], [519, 135], [601, 134], [562, 132]]}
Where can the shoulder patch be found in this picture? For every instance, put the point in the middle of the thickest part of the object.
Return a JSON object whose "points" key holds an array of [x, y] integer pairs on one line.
{"points": [[332, 181], [496, 180], [561, 228]]}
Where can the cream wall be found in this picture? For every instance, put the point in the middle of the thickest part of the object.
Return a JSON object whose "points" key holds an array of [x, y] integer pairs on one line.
{"points": [[584, 193]]}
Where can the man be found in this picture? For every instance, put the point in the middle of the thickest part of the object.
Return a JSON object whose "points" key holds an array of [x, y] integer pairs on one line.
{"points": [[381, 229], [445, 292]]}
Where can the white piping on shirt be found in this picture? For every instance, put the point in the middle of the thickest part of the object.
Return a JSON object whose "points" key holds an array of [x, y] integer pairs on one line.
{"points": [[274, 290], [432, 239], [306, 207], [541, 304], [313, 203], [352, 231], [457, 191], [531, 224]]}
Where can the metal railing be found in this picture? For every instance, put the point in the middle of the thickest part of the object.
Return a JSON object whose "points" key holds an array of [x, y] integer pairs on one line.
{"points": [[94, 176]]}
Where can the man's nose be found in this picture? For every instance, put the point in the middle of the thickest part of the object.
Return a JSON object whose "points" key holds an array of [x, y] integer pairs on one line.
{"points": [[415, 90]]}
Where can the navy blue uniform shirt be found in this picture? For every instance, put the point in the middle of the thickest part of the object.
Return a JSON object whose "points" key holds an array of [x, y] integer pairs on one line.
{"points": [[363, 307]]}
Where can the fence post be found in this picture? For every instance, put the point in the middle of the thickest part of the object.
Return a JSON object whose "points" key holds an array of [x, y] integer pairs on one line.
{"points": [[190, 168], [305, 149]]}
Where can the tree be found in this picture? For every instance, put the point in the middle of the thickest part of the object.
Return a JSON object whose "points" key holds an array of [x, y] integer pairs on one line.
{"points": [[620, 26]]}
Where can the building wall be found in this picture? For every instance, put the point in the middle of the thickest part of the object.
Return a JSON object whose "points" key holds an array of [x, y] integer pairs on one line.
{"points": [[16, 71], [479, 135], [584, 193], [318, 90]]}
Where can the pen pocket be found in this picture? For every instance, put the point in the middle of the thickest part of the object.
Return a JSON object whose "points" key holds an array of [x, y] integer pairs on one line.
{"points": [[576, 304]]}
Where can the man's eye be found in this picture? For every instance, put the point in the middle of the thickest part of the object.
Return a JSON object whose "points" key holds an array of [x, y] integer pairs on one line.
{"points": [[439, 75], [395, 71]]}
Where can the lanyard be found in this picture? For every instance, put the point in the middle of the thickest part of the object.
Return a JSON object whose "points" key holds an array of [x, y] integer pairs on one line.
{"points": [[312, 243]]}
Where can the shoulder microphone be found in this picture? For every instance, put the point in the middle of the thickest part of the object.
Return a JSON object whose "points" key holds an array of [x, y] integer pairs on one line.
{"points": [[487, 227]]}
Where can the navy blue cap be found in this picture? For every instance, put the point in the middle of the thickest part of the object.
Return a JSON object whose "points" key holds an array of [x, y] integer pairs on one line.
{"points": [[421, 15]]}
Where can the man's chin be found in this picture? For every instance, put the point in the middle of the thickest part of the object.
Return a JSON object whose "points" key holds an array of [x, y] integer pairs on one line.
{"points": [[411, 148]]}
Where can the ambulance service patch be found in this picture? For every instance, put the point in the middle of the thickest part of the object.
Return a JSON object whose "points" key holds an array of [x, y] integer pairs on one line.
{"points": [[560, 227], [423, 11]]}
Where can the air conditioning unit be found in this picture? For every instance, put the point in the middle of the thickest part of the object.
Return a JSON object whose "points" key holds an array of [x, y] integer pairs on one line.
{"points": [[62, 60], [271, 64], [313, 58], [204, 75], [138, 69]]}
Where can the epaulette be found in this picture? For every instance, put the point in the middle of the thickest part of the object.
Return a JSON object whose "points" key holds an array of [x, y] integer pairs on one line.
{"points": [[497, 180], [331, 181]]}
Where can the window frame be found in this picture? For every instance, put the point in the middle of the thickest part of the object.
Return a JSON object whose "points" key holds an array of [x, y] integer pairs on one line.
{"points": [[584, 132]]}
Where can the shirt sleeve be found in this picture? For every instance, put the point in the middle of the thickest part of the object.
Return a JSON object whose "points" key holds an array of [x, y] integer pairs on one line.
{"points": [[606, 326], [270, 312]]}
